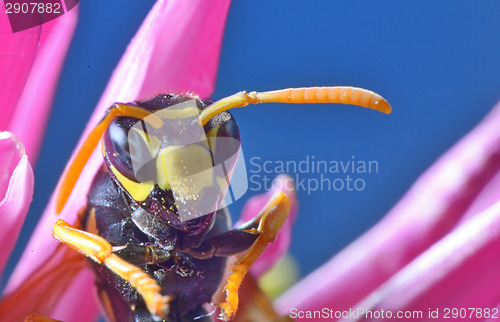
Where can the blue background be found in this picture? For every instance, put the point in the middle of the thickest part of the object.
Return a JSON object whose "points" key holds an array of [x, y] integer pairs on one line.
{"points": [[436, 62]]}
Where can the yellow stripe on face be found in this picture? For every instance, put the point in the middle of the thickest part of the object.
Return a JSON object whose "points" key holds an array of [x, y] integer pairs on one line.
{"points": [[186, 170], [151, 141], [179, 113], [212, 137], [139, 191]]}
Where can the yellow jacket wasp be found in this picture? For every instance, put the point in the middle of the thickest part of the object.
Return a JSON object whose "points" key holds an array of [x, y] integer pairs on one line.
{"points": [[149, 262]]}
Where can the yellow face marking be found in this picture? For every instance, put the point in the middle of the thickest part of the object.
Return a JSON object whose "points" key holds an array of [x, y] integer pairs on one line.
{"points": [[178, 113], [212, 137], [186, 170], [152, 142], [139, 191]]}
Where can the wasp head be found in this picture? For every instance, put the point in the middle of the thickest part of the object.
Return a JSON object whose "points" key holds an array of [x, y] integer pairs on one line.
{"points": [[179, 171]]}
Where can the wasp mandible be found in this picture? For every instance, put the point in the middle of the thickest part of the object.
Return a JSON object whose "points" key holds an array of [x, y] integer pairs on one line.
{"points": [[149, 262]]}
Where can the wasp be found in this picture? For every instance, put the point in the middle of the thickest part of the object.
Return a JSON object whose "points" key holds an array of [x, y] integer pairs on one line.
{"points": [[151, 262]]}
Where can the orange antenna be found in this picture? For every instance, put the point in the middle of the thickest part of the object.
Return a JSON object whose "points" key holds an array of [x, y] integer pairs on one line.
{"points": [[88, 146], [335, 94]]}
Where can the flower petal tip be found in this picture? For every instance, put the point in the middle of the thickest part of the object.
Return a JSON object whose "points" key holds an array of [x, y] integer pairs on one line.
{"points": [[16, 191], [11, 153]]}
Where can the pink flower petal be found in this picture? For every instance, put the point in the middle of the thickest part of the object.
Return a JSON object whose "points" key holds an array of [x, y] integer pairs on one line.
{"points": [[186, 53], [144, 55], [432, 207], [82, 299], [16, 192], [488, 196], [17, 54], [41, 291], [459, 271], [279, 247], [30, 117]]}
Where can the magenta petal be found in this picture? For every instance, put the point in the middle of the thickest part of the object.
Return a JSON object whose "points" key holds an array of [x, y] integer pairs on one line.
{"points": [[432, 208], [126, 85], [79, 298], [459, 271], [16, 192], [17, 54], [488, 196], [33, 108], [165, 53], [186, 51], [279, 247]]}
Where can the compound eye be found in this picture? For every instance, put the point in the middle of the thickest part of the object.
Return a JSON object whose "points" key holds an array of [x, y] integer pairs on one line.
{"points": [[143, 147], [128, 151]]}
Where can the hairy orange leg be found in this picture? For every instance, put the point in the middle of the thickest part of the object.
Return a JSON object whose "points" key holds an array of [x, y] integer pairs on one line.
{"points": [[334, 94], [271, 219], [100, 250], [88, 146]]}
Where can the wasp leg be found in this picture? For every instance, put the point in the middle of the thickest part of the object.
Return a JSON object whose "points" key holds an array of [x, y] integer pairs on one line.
{"points": [[271, 219], [101, 251]]}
